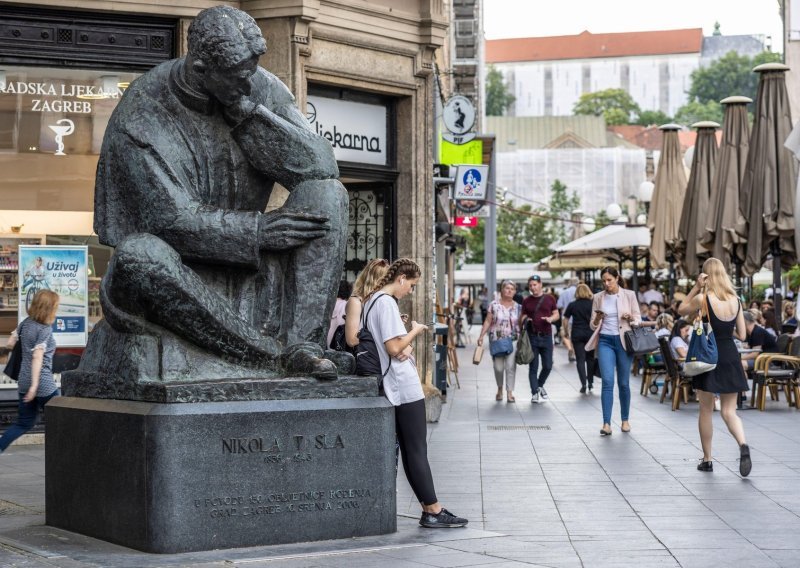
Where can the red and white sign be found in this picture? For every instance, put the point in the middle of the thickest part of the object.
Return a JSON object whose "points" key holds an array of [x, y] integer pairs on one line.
{"points": [[466, 222]]}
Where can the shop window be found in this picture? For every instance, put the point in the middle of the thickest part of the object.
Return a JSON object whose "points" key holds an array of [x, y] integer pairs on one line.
{"points": [[52, 123]]}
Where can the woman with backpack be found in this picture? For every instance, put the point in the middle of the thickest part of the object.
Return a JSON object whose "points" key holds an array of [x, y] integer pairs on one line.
{"points": [[402, 386], [365, 282]]}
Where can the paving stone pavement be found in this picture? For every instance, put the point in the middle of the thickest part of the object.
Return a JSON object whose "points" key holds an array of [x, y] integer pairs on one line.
{"points": [[539, 484]]}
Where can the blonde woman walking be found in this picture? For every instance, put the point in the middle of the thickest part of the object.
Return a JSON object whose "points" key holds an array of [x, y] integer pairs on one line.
{"points": [[502, 322], [715, 295]]}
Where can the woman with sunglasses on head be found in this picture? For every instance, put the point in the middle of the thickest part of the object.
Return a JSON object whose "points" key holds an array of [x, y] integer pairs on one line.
{"points": [[502, 322], [715, 296], [402, 386], [615, 310]]}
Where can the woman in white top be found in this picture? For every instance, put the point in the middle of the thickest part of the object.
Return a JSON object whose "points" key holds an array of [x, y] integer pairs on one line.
{"points": [[615, 311], [679, 341], [402, 386]]}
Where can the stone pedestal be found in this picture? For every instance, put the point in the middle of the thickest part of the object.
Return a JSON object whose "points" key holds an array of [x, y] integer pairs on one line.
{"points": [[171, 478]]}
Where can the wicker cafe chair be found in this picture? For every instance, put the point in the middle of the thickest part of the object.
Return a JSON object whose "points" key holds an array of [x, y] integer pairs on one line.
{"points": [[650, 372], [777, 370], [675, 378]]}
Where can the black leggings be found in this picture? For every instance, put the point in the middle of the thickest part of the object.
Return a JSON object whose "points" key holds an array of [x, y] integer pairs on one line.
{"points": [[411, 428], [584, 361]]}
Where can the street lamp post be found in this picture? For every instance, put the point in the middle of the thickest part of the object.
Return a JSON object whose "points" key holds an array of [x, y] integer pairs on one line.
{"points": [[646, 196]]}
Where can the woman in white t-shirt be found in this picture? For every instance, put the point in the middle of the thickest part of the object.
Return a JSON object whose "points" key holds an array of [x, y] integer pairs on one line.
{"points": [[402, 386]]}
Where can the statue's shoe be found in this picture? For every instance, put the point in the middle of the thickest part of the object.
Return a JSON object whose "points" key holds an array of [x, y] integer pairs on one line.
{"points": [[307, 359]]}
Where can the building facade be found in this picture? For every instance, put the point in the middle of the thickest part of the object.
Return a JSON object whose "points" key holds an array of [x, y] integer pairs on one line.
{"points": [[362, 71], [549, 74]]}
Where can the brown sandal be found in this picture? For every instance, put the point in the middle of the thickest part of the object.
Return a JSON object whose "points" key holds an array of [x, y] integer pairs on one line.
{"points": [[510, 398]]}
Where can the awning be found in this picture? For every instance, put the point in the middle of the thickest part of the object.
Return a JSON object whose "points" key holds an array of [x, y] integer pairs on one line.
{"points": [[617, 238], [516, 272], [584, 261]]}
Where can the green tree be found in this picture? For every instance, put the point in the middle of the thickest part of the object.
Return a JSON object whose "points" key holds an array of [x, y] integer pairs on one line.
{"points": [[615, 105], [651, 117], [694, 111], [525, 234], [498, 97], [731, 74]]}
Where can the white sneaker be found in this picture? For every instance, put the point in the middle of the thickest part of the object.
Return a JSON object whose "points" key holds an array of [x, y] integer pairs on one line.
{"points": [[716, 404], [543, 395], [535, 397]]}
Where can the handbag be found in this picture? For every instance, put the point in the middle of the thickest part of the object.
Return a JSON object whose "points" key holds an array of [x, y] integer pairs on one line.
{"points": [[524, 354], [640, 341], [702, 355], [501, 347], [338, 342], [15, 358], [478, 355]]}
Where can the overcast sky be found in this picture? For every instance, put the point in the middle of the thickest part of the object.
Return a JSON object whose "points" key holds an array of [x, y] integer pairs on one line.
{"points": [[532, 18]]}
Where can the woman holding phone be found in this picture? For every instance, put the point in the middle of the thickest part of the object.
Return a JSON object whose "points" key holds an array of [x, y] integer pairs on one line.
{"points": [[615, 310]]}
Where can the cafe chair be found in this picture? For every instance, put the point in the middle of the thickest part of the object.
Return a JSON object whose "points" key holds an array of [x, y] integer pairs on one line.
{"points": [[674, 379], [775, 371], [650, 372]]}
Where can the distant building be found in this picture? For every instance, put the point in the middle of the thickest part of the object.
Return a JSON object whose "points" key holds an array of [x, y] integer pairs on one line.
{"points": [[549, 74], [532, 152]]}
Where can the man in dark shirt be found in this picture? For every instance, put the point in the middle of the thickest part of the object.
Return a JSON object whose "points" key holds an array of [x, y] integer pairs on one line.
{"points": [[539, 311], [757, 338]]}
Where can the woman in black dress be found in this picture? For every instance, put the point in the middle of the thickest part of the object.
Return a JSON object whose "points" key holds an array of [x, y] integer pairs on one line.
{"points": [[580, 332], [715, 297]]}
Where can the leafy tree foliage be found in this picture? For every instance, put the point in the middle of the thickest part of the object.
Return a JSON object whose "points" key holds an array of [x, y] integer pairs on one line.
{"points": [[732, 74], [695, 111], [652, 117], [525, 234], [615, 105], [498, 96]]}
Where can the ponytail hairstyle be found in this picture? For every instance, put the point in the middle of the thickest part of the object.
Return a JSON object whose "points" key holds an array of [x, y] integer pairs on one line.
{"points": [[615, 273], [369, 276], [400, 267]]}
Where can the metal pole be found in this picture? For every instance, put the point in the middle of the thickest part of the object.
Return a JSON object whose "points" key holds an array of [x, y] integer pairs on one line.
{"points": [[635, 279], [776, 280], [490, 234], [671, 277]]}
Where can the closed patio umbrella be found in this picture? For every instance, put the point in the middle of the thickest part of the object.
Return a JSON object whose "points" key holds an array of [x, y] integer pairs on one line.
{"points": [[695, 203], [767, 197], [665, 208], [720, 236]]}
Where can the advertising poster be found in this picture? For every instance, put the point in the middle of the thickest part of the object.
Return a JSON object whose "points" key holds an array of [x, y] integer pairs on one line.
{"points": [[62, 269]]}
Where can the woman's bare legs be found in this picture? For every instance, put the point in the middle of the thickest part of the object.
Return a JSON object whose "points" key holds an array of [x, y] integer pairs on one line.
{"points": [[704, 422], [732, 420]]}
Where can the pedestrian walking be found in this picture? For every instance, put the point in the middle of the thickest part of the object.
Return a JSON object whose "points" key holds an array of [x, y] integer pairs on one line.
{"points": [[715, 297], [615, 310], [538, 314], [502, 325], [403, 388], [579, 312], [35, 383], [565, 299]]}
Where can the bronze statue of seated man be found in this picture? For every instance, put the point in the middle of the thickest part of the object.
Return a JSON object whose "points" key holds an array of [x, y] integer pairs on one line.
{"points": [[203, 283]]}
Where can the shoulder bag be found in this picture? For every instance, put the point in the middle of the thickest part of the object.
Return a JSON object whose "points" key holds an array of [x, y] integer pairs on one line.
{"points": [[702, 355], [640, 340], [15, 357]]}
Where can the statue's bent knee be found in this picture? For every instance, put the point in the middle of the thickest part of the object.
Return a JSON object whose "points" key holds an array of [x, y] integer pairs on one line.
{"points": [[140, 261]]}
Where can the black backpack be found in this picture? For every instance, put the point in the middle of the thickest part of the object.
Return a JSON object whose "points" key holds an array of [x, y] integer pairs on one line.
{"points": [[368, 361]]}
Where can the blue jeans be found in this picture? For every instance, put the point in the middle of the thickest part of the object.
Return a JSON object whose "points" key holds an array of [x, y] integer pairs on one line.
{"points": [[612, 355], [26, 418], [542, 346]]}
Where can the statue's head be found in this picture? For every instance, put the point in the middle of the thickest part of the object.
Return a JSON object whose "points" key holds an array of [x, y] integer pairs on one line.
{"points": [[224, 47]]}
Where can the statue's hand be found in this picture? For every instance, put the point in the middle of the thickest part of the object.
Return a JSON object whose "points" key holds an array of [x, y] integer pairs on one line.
{"points": [[283, 230], [238, 111]]}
